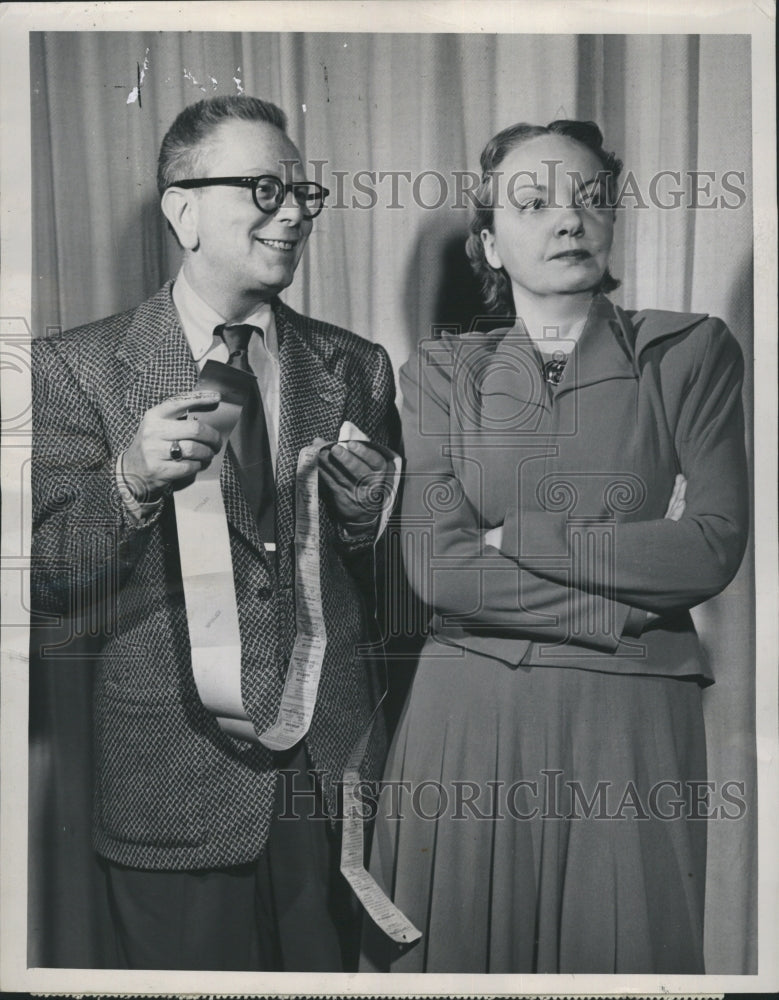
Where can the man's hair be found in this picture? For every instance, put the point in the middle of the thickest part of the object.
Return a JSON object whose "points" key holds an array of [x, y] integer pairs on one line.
{"points": [[187, 139], [495, 282]]}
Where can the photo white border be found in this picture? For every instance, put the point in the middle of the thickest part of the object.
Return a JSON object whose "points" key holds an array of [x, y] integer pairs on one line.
{"points": [[522, 16]]}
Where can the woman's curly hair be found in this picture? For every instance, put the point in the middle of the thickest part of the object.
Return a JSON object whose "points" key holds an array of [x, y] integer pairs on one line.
{"points": [[495, 282]]}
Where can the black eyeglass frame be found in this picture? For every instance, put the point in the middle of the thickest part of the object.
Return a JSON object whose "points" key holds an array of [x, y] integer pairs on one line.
{"points": [[282, 190]]}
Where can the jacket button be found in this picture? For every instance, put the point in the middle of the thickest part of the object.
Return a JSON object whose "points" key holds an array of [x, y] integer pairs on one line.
{"points": [[264, 593]]}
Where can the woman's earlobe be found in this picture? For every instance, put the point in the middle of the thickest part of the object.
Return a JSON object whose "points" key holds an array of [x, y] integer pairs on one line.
{"points": [[490, 253]]}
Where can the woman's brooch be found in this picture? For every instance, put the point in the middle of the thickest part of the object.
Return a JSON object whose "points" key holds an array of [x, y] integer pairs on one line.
{"points": [[553, 370]]}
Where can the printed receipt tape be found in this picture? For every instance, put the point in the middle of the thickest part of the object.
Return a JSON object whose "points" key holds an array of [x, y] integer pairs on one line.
{"points": [[305, 665], [212, 616], [377, 904]]}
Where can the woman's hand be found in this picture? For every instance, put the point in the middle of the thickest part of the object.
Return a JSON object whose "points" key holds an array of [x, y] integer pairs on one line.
{"points": [[674, 512], [494, 537], [677, 502]]}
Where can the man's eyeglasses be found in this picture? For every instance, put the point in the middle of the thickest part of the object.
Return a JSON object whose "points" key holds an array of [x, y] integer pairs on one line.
{"points": [[269, 192]]}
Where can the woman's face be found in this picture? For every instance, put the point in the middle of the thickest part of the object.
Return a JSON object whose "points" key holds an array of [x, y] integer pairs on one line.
{"points": [[552, 227]]}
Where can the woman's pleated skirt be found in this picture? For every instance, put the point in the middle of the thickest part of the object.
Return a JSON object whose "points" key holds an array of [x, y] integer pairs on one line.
{"points": [[543, 820]]}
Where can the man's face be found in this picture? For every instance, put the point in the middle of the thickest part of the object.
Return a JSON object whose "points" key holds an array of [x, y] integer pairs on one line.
{"points": [[243, 256]]}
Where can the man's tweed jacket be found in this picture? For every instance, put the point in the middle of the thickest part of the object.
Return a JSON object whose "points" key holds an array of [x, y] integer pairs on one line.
{"points": [[172, 791]]}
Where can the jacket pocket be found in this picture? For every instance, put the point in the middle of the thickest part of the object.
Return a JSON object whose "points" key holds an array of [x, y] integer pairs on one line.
{"points": [[149, 773]]}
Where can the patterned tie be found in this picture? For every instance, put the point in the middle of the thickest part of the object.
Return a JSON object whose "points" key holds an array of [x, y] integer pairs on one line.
{"points": [[249, 441]]}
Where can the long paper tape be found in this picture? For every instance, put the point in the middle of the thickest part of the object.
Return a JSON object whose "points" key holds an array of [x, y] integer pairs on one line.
{"points": [[206, 564], [302, 681], [305, 666], [300, 690], [212, 616], [377, 904]]}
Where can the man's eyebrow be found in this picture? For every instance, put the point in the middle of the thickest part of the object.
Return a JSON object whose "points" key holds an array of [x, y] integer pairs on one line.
{"points": [[272, 173]]}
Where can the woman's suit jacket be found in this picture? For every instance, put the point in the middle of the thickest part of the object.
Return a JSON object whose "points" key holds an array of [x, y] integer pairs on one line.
{"points": [[579, 476], [172, 791]]}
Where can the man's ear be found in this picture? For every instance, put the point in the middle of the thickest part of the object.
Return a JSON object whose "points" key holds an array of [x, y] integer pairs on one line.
{"points": [[180, 209]]}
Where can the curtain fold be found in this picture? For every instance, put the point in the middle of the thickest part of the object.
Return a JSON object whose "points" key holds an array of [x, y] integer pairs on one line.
{"points": [[418, 107]]}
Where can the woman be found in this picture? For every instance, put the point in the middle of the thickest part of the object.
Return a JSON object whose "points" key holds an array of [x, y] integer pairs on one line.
{"points": [[576, 482]]}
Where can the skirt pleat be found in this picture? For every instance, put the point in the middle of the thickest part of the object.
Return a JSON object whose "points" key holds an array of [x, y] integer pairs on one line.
{"points": [[527, 824]]}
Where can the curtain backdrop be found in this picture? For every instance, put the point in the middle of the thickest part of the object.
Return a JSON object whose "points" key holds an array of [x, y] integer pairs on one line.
{"points": [[393, 271]]}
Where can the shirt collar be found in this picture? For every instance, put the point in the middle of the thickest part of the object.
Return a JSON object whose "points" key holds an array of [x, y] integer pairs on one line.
{"points": [[198, 319]]}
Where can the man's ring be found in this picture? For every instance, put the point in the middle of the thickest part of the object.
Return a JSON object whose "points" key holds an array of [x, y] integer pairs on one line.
{"points": [[175, 451]]}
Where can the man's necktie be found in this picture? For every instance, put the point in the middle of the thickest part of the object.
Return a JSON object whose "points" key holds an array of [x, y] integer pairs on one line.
{"points": [[249, 441]]}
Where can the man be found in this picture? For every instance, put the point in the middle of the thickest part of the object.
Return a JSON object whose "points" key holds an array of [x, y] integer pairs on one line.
{"points": [[202, 872]]}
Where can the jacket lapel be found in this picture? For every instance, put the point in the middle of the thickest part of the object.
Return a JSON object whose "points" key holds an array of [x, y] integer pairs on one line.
{"points": [[603, 351], [312, 398], [512, 388], [156, 351]]}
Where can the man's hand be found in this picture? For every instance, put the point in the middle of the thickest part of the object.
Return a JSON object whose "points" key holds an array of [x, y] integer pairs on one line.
{"points": [[147, 464], [356, 478]]}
